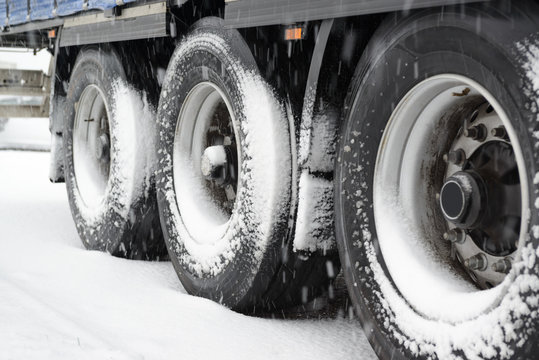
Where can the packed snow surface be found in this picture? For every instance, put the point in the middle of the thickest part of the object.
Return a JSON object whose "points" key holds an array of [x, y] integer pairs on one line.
{"points": [[60, 301]]}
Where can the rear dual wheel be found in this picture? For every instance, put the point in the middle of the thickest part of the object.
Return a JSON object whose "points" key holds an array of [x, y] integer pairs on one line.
{"points": [[436, 185], [108, 178], [225, 178]]}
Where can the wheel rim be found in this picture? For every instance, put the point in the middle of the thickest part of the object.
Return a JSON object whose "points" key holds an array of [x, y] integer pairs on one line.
{"points": [[206, 162], [458, 194], [91, 146]]}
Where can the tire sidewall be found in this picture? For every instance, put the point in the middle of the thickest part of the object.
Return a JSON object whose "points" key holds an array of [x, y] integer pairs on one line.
{"points": [[106, 228], [402, 57], [255, 251]]}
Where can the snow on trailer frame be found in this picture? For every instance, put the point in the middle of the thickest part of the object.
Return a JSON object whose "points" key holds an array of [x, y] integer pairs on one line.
{"points": [[287, 141]]}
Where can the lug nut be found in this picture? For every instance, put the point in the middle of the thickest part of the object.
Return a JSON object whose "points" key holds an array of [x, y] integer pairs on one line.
{"points": [[478, 132], [477, 262], [102, 147], [456, 236], [502, 266], [499, 132], [103, 123], [456, 157], [453, 252], [474, 116]]}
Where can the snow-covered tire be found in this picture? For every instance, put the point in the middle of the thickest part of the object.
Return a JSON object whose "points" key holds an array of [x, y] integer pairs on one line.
{"points": [[411, 95], [111, 195], [236, 252]]}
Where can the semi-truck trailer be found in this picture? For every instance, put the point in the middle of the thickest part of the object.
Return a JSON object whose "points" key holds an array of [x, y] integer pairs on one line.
{"points": [[266, 146]]}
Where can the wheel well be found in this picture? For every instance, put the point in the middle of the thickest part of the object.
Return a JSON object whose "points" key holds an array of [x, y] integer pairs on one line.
{"points": [[193, 10], [64, 64], [285, 64], [348, 40], [291, 68], [145, 63]]}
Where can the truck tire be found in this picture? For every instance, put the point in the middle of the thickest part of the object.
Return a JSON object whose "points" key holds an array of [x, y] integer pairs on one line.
{"points": [[107, 167], [436, 184], [224, 183]]}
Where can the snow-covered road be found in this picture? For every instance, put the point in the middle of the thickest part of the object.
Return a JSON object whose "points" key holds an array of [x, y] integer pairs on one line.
{"points": [[59, 301]]}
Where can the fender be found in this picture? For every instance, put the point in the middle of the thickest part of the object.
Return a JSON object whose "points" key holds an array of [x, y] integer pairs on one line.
{"points": [[339, 45]]}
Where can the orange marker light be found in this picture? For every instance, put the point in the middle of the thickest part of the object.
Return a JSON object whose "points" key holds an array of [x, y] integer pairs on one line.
{"points": [[293, 34], [52, 34]]}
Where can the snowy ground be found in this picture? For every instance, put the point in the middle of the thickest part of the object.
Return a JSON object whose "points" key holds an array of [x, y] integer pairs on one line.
{"points": [[59, 301], [22, 133]]}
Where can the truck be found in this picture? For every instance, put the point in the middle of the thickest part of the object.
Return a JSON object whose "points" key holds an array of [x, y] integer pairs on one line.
{"points": [[266, 146]]}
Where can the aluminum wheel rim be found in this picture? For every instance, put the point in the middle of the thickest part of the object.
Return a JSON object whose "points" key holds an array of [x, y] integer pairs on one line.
{"points": [[91, 146], [426, 268], [205, 206]]}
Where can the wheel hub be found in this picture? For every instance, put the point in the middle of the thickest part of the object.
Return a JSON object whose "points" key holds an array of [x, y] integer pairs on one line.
{"points": [[449, 189], [216, 164], [480, 198], [461, 199]]}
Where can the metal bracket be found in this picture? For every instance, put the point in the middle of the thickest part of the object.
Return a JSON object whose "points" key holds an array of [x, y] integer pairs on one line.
{"points": [[314, 220], [113, 12]]}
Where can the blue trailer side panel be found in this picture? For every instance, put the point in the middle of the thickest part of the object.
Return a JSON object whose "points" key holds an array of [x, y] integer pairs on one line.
{"points": [[17, 11], [69, 7], [41, 9], [3, 13], [101, 4], [105, 4]]}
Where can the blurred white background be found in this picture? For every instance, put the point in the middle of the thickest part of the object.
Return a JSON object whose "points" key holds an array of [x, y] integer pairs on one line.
{"points": [[24, 133]]}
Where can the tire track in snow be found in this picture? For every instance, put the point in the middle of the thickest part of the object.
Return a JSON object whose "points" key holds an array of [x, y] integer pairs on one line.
{"points": [[52, 292]]}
